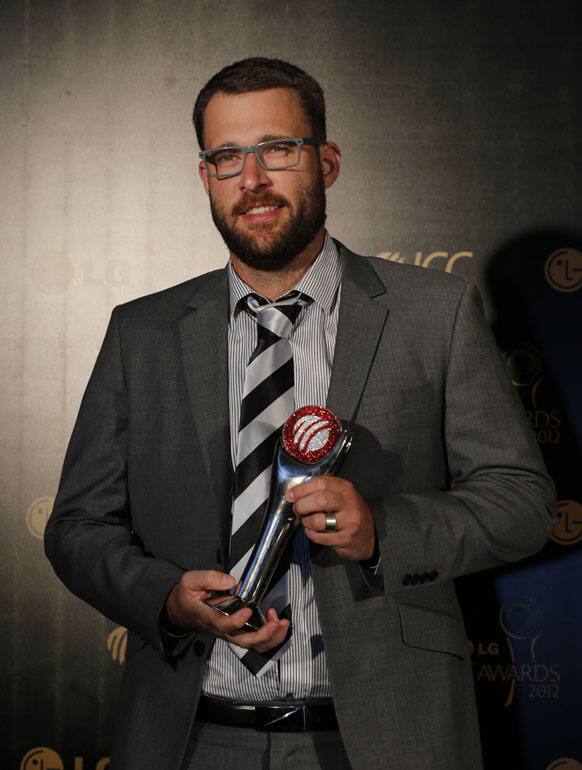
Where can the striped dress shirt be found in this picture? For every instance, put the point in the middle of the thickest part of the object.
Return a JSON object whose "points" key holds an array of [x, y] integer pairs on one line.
{"points": [[301, 673]]}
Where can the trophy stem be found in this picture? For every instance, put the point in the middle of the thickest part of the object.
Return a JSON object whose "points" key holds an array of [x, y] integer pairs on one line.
{"points": [[278, 529]]}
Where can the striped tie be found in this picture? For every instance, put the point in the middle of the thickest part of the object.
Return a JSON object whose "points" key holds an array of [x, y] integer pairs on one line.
{"points": [[268, 400]]}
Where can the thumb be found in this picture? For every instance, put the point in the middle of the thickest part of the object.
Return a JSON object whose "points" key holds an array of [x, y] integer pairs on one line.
{"points": [[208, 580]]}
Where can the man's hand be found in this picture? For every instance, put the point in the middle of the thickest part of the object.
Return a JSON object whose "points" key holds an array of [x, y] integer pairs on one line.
{"points": [[185, 608], [354, 536]]}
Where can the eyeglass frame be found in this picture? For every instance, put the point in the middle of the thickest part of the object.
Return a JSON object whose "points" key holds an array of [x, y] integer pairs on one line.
{"points": [[301, 142]]}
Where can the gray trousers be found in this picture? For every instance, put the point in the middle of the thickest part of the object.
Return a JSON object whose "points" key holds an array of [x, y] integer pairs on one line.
{"points": [[214, 747]]}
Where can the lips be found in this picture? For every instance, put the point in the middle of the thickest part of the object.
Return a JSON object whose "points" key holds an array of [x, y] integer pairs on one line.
{"points": [[261, 210], [261, 214], [259, 207]]}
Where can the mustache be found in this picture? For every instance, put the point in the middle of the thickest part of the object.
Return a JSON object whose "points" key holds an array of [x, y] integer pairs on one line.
{"points": [[249, 200]]}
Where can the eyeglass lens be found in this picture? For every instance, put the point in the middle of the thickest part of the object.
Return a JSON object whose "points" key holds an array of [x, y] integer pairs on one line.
{"points": [[278, 154]]}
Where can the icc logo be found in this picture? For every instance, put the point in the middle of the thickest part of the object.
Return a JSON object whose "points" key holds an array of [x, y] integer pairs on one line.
{"points": [[430, 259], [522, 623], [564, 270], [38, 514], [526, 367], [117, 643], [568, 527], [522, 619]]}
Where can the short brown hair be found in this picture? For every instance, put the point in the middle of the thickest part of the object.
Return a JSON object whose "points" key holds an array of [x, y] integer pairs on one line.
{"points": [[258, 74]]}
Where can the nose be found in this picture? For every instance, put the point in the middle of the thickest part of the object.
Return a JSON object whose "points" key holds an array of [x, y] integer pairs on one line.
{"points": [[253, 176]]}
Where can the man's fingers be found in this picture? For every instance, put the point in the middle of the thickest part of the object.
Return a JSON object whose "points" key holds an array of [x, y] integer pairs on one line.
{"points": [[316, 522], [333, 539], [184, 605], [353, 536], [276, 638], [318, 484], [186, 608], [228, 625], [206, 618], [207, 580], [266, 638], [320, 500]]}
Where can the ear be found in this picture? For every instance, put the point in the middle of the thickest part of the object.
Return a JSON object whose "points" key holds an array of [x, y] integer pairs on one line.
{"points": [[330, 155], [202, 173]]}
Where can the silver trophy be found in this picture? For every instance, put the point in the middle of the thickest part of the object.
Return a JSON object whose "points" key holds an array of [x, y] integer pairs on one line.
{"points": [[312, 443]]}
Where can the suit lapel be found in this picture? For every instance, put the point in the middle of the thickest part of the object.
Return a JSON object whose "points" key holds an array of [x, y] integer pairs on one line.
{"points": [[362, 316], [204, 343]]}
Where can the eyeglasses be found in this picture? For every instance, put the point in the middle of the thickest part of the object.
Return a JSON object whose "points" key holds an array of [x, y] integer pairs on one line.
{"points": [[274, 155]]}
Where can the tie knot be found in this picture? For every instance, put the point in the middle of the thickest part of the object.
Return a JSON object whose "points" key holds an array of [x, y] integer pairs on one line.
{"points": [[277, 317]]}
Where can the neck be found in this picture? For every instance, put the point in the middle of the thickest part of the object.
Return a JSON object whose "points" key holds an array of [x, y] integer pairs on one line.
{"points": [[273, 284]]}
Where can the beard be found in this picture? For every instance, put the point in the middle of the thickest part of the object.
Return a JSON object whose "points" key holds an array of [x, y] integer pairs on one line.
{"points": [[276, 253]]}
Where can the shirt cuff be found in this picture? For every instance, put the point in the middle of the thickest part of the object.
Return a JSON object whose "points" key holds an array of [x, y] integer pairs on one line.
{"points": [[374, 563], [375, 569]]}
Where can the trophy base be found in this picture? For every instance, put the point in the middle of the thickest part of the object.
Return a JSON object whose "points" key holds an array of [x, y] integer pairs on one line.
{"points": [[233, 604]]}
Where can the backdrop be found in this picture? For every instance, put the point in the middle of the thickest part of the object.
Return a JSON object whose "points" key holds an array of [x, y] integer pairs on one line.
{"points": [[460, 125]]}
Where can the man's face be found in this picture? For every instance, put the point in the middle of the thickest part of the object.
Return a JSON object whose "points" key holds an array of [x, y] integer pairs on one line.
{"points": [[266, 218]]}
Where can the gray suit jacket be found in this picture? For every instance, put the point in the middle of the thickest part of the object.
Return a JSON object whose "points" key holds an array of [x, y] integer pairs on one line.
{"points": [[442, 453]]}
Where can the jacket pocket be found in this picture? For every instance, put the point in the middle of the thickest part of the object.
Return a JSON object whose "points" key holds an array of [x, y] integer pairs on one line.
{"points": [[427, 629]]}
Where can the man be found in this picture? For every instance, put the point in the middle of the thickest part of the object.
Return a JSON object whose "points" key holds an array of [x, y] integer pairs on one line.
{"points": [[444, 477]]}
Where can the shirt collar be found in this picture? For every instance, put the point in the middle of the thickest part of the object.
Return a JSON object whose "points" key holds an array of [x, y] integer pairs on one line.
{"points": [[320, 282]]}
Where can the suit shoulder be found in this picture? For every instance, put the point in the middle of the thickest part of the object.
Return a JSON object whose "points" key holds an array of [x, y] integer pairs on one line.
{"points": [[402, 284], [421, 280], [397, 277], [171, 301]]}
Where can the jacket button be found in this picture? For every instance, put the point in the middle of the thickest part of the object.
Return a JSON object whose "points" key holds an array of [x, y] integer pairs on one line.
{"points": [[199, 648], [406, 580]]}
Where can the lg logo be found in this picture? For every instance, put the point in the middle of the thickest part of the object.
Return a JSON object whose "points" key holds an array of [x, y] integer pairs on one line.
{"points": [[43, 758], [564, 270]]}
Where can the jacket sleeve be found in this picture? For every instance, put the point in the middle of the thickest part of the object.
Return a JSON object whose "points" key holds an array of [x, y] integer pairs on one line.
{"points": [[89, 538], [498, 506]]}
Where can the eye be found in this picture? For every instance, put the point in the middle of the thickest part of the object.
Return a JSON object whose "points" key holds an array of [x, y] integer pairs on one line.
{"points": [[226, 157], [279, 148]]}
